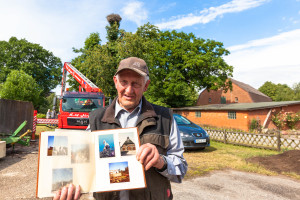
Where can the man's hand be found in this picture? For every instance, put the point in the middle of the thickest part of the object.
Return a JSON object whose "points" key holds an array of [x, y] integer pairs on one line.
{"points": [[148, 155], [68, 193]]}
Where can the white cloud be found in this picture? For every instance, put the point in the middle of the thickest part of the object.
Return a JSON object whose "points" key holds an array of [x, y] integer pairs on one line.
{"points": [[134, 11], [208, 15], [274, 59], [57, 26]]}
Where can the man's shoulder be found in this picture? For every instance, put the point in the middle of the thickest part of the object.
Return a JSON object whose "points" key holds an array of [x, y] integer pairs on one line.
{"points": [[161, 110], [97, 113]]}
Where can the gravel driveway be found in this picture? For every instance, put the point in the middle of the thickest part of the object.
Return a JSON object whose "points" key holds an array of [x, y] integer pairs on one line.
{"points": [[18, 181]]}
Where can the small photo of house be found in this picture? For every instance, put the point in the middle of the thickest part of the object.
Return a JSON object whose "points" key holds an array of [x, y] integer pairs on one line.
{"points": [[61, 177], [50, 145], [119, 172], [80, 153], [106, 146], [57, 146], [127, 144]]}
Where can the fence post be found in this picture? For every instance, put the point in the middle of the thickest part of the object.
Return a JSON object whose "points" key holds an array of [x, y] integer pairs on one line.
{"points": [[34, 125], [225, 137], [278, 141]]}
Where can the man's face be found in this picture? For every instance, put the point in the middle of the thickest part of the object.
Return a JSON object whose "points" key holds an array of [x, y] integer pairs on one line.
{"points": [[130, 86]]}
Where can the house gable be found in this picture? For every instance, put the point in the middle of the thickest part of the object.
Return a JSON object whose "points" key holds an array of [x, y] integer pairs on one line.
{"points": [[240, 93]]}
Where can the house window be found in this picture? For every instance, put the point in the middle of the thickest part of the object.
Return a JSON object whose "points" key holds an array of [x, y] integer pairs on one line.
{"points": [[198, 113], [209, 100], [231, 115], [236, 99], [223, 100]]}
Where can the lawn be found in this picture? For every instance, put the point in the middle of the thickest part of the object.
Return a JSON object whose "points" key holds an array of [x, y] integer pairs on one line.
{"points": [[221, 156], [42, 128]]}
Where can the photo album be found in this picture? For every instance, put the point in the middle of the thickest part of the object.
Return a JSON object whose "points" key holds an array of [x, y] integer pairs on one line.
{"points": [[98, 161]]}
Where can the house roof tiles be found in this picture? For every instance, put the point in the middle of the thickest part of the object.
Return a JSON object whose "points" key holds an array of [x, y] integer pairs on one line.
{"points": [[240, 106]]}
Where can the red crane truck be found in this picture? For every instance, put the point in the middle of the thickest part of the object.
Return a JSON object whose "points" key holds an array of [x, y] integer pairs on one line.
{"points": [[74, 107]]}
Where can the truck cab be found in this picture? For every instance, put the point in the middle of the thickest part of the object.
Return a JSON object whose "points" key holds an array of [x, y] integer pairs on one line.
{"points": [[75, 108]]}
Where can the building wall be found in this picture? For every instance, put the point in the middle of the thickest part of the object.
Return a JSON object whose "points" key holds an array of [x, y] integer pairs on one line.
{"points": [[243, 118], [261, 116], [218, 119], [242, 95], [292, 109]]}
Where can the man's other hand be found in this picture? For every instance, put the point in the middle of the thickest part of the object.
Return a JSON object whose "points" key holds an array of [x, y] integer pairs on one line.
{"points": [[68, 193], [148, 155]]}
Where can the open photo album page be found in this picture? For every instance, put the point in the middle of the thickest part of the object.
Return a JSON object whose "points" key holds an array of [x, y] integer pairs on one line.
{"points": [[98, 161]]}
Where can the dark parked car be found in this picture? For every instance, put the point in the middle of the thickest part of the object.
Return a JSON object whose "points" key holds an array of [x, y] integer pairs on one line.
{"points": [[193, 136]]}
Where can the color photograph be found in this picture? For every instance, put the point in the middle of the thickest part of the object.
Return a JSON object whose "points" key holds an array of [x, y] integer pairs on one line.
{"points": [[119, 172], [106, 146], [61, 177], [127, 144], [60, 145], [80, 153], [50, 145]]}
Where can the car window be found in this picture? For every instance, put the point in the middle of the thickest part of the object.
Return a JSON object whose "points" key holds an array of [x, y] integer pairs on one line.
{"points": [[180, 120]]}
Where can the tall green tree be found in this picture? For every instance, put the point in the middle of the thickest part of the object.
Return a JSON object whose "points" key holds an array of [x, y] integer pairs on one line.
{"points": [[277, 92], [21, 86], [98, 63], [296, 88], [180, 64], [269, 89], [33, 59]]}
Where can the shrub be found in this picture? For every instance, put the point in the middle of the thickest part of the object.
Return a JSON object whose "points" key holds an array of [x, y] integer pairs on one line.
{"points": [[255, 125], [41, 115]]}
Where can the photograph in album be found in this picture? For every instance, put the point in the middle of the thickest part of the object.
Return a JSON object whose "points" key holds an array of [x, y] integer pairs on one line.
{"points": [[127, 144], [80, 153], [61, 177], [118, 172], [106, 146]]}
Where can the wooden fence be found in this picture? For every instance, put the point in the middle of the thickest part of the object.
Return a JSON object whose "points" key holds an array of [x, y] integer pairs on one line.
{"points": [[13, 113], [265, 141]]}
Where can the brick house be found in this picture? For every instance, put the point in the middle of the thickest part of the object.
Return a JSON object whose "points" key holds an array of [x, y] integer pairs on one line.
{"points": [[240, 93], [238, 115]]}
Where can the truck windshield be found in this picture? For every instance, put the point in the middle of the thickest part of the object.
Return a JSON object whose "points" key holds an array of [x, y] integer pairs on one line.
{"points": [[72, 104]]}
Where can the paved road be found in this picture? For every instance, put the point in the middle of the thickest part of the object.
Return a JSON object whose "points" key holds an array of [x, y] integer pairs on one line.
{"points": [[18, 181], [235, 185]]}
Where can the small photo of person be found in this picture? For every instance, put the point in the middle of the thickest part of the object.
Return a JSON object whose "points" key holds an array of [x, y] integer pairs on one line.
{"points": [[106, 146]]}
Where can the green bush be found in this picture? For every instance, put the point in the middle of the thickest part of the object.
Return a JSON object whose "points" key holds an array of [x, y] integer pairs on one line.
{"points": [[255, 125], [41, 115]]}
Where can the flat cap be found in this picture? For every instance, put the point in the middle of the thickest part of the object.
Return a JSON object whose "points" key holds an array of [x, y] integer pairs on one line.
{"points": [[133, 63]]}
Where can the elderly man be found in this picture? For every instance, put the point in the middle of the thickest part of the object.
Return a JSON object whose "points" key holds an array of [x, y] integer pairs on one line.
{"points": [[161, 151]]}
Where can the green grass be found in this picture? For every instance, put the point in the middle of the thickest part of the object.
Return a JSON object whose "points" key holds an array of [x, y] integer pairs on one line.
{"points": [[42, 128], [221, 156]]}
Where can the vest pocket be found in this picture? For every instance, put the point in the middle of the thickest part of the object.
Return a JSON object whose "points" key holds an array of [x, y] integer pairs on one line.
{"points": [[156, 139]]}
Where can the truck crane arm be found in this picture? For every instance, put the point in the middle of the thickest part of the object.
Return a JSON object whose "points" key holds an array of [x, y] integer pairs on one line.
{"points": [[84, 82]]}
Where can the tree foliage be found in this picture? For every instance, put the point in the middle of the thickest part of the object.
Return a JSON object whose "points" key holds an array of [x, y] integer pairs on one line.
{"points": [[296, 88], [180, 64], [280, 92], [31, 58], [21, 86]]}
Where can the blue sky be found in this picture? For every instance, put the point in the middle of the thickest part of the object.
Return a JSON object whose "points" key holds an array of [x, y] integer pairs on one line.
{"points": [[263, 36]]}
